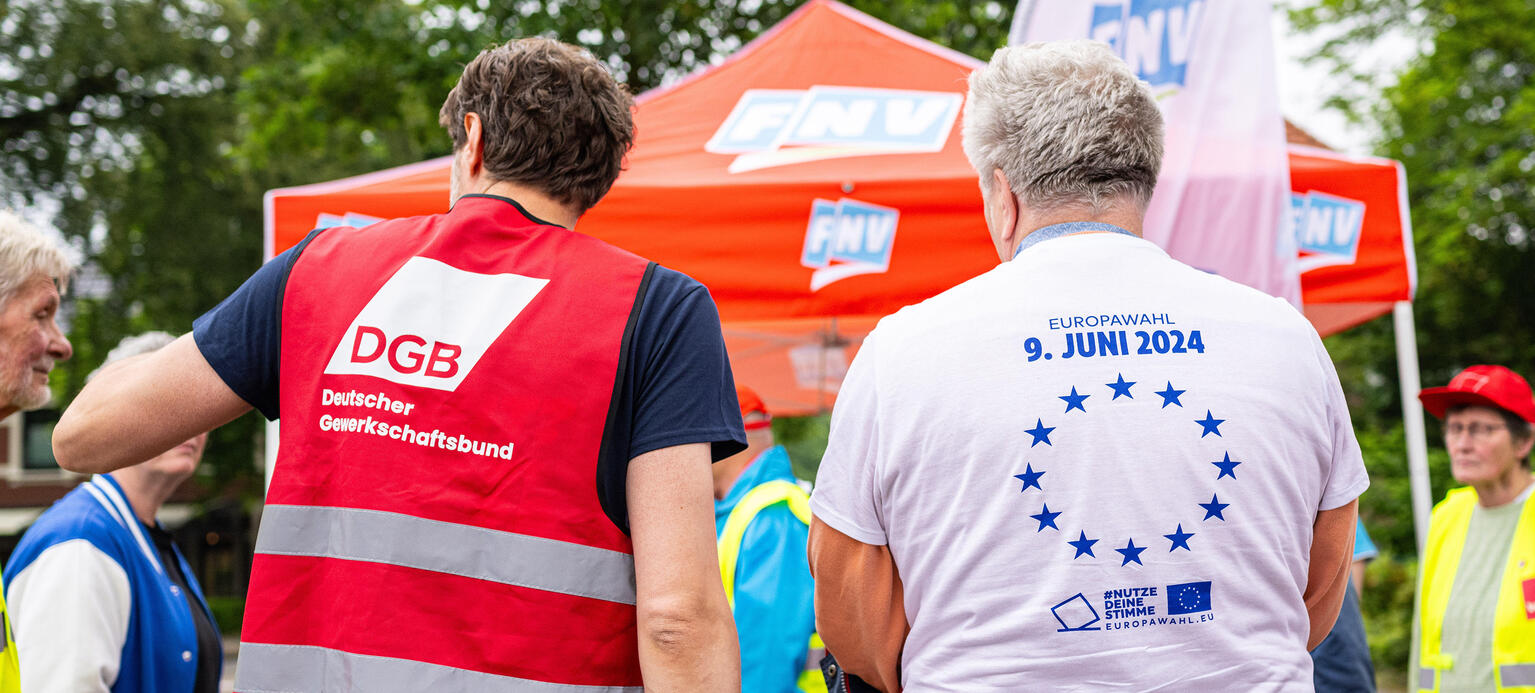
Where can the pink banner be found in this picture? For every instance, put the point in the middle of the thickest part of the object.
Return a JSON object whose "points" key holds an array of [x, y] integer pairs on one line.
{"points": [[1222, 201]]}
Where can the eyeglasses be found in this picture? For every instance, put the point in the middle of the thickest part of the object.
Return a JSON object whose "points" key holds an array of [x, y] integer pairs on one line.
{"points": [[1477, 430]]}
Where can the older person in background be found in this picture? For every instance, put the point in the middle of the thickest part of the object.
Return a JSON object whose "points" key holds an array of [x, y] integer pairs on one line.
{"points": [[101, 597], [1476, 593], [33, 270], [761, 516], [1010, 503]]}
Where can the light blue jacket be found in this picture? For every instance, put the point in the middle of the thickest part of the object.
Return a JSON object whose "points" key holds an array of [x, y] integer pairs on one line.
{"points": [[774, 608]]}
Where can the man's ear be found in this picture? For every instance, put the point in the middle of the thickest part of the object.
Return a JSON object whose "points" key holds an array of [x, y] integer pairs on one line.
{"points": [[1007, 204], [474, 144]]}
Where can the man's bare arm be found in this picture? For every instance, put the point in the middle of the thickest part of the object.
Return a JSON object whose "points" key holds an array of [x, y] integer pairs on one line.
{"points": [[687, 635], [1332, 553], [142, 406], [860, 610]]}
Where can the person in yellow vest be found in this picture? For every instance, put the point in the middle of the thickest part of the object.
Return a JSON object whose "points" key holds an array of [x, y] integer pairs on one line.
{"points": [[34, 269], [762, 521], [1476, 608]]}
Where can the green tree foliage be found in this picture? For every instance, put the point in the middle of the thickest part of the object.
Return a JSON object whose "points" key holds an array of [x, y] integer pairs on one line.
{"points": [[118, 113], [1461, 117]]}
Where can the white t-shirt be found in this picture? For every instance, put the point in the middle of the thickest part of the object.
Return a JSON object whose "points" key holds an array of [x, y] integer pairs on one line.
{"points": [[1124, 504]]}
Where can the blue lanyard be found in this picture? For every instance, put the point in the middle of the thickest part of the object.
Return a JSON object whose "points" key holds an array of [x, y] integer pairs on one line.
{"points": [[1057, 230]]}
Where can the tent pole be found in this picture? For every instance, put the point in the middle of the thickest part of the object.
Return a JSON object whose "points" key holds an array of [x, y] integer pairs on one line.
{"points": [[1412, 418]]}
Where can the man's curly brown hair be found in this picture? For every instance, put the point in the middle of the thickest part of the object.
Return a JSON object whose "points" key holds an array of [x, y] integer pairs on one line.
{"points": [[553, 118]]}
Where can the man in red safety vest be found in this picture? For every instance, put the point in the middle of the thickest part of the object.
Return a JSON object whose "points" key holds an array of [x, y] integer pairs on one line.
{"points": [[497, 432]]}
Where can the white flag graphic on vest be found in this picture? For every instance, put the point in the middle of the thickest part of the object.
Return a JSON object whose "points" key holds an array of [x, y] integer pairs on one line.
{"points": [[430, 323], [1222, 199]]}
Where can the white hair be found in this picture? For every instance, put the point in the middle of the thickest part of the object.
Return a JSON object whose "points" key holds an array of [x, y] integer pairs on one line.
{"points": [[26, 252], [1067, 122], [133, 345]]}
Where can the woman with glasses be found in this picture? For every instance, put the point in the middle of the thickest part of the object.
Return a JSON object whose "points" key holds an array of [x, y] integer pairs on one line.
{"points": [[1476, 608]]}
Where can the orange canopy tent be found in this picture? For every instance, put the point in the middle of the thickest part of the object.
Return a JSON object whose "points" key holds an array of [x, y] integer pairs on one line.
{"points": [[813, 181]]}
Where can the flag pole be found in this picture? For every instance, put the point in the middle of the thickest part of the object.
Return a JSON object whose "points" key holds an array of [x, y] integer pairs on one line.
{"points": [[1412, 418]]}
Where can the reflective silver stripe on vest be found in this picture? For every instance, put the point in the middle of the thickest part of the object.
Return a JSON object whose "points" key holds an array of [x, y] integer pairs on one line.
{"points": [[445, 547], [290, 668], [813, 658], [1517, 675], [1425, 679]]}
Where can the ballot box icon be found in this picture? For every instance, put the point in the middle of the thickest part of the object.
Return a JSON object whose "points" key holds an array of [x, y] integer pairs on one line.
{"points": [[1075, 614]]}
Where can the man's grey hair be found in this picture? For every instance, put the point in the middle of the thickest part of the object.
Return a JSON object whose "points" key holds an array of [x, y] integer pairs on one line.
{"points": [[1067, 122], [133, 345], [25, 252]]}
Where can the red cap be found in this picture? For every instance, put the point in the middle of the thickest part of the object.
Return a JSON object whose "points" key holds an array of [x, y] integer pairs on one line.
{"points": [[1484, 386], [751, 403]]}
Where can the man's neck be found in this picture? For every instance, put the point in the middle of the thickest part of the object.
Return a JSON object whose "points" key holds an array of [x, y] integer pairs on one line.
{"points": [[534, 202], [1125, 215], [1504, 490], [145, 491]]}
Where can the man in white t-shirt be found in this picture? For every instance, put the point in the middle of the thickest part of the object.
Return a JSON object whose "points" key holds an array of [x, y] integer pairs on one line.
{"points": [[1092, 467]]}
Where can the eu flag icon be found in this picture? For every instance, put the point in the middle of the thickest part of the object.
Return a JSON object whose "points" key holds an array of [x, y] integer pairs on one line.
{"points": [[1188, 598]]}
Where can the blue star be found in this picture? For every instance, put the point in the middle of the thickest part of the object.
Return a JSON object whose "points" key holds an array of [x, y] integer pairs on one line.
{"points": [[1170, 396], [1046, 519], [1029, 477], [1040, 432], [1179, 538], [1214, 508], [1227, 467], [1083, 545], [1211, 424], [1074, 400], [1122, 387], [1131, 553]]}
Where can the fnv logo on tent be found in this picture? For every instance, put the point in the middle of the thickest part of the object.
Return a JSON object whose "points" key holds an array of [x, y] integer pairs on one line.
{"points": [[430, 323], [352, 219], [1327, 229], [1154, 36], [847, 238], [778, 127]]}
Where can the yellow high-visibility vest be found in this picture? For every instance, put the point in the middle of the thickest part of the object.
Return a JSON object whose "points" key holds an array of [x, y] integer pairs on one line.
{"points": [[1513, 636], [755, 501], [10, 669]]}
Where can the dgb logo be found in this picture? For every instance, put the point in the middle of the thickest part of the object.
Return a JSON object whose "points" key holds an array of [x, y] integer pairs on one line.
{"points": [[430, 323], [777, 127], [847, 238], [1154, 36]]}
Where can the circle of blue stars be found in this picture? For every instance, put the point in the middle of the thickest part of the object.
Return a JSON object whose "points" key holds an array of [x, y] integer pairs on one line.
{"points": [[1179, 538]]}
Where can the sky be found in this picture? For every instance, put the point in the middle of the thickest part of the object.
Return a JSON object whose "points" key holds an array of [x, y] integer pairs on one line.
{"points": [[1303, 89]]}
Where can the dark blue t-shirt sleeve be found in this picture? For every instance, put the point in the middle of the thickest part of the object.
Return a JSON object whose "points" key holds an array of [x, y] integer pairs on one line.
{"points": [[241, 337], [681, 389]]}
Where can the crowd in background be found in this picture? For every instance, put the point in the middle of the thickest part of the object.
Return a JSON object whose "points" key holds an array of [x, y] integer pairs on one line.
{"points": [[379, 569]]}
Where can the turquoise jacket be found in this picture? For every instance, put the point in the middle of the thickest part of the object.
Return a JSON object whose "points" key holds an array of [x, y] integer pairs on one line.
{"points": [[774, 609]]}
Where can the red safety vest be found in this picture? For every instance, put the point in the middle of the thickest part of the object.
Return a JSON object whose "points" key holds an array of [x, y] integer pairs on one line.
{"points": [[433, 521]]}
